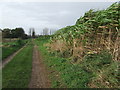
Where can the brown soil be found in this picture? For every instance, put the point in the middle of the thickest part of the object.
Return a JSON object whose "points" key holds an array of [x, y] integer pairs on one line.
{"points": [[8, 59], [39, 77]]}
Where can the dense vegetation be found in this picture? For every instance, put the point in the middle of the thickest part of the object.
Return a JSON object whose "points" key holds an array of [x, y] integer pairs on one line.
{"points": [[62, 72], [16, 33], [16, 74], [94, 32], [87, 53]]}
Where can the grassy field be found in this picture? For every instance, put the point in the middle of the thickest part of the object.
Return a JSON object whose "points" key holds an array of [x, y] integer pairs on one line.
{"points": [[11, 47], [16, 74], [97, 70]]}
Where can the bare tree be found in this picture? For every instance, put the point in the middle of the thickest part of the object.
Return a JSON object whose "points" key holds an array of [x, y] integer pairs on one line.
{"points": [[45, 31], [33, 33], [50, 31], [30, 32]]}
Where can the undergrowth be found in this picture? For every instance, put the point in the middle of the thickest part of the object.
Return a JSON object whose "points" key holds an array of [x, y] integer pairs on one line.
{"points": [[95, 71]]}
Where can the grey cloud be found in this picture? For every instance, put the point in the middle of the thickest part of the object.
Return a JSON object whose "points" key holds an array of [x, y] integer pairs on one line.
{"points": [[40, 15]]}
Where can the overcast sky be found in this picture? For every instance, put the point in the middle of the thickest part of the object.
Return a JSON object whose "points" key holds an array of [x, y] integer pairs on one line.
{"points": [[53, 15]]}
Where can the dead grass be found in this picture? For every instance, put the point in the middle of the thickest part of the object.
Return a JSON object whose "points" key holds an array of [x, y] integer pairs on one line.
{"points": [[99, 40], [59, 46]]}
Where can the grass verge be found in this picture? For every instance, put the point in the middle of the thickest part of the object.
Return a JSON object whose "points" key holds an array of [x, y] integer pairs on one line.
{"points": [[11, 47], [16, 74], [7, 51]]}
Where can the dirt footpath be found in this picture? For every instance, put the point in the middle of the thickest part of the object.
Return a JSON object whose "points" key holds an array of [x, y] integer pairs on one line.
{"points": [[39, 77]]}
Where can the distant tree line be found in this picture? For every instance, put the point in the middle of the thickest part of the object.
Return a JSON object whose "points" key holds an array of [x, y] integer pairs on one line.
{"points": [[14, 33], [20, 33]]}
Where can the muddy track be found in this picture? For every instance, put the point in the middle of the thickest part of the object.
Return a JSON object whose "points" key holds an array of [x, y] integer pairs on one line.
{"points": [[9, 58], [39, 77]]}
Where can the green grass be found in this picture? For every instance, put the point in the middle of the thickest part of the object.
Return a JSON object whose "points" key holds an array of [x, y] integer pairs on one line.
{"points": [[103, 68], [71, 76], [16, 74], [11, 47], [7, 51], [81, 74]]}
